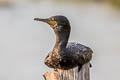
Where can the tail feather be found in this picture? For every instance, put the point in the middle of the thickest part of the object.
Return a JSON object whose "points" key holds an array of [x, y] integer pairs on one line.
{"points": [[79, 67]]}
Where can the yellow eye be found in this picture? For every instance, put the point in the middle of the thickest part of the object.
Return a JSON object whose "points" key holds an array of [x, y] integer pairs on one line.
{"points": [[52, 19]]}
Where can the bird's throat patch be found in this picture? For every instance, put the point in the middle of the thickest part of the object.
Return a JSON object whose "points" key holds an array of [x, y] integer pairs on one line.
{"points": [[52, 23]]}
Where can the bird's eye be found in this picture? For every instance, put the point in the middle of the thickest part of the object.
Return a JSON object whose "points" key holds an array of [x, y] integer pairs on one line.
{"points": [[52, 19]]}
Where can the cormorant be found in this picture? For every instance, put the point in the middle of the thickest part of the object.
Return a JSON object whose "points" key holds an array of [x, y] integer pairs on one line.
{"points": [[65, 55]]}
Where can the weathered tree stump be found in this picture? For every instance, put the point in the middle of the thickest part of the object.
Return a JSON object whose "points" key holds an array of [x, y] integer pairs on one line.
{"points": [[72, 74]]}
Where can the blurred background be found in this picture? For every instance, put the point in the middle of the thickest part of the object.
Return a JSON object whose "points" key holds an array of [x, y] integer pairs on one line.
{"points": [[24, 43]]}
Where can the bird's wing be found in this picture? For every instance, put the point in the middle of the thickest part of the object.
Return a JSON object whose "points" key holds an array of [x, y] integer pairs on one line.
{"points": [[78, 48], [84, 53]]}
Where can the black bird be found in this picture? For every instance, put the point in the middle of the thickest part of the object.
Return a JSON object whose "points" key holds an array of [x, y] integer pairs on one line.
{"points": [[65, 55]]}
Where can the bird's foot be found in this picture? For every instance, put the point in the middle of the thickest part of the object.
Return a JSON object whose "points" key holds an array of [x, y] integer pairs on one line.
{"points": [[90, 65]]}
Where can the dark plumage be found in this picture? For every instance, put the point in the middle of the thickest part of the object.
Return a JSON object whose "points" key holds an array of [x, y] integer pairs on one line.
{"points": [[65, 55]]}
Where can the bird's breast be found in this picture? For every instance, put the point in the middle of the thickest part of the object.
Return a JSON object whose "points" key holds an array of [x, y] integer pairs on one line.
{"points": [[60, 61]]}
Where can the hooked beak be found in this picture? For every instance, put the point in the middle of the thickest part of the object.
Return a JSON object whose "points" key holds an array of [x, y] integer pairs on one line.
{"points": [[50, 22], [39, 19]]}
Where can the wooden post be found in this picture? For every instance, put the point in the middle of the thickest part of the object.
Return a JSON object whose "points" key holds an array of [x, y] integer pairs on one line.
{"points": [[72, 74]]}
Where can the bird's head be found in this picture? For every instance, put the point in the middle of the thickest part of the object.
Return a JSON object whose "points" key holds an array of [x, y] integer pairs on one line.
{"points": [[58, 23]]}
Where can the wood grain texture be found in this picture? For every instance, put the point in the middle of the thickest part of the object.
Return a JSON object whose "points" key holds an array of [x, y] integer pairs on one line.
{"points": [[72, 74]]}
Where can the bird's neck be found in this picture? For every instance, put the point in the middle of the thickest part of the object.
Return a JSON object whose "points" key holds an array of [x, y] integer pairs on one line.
{"points": [[61, 41]]}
